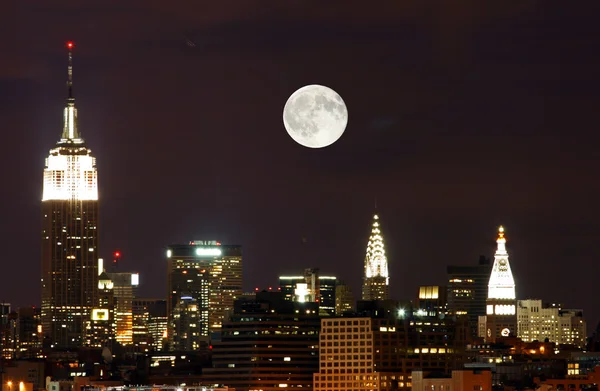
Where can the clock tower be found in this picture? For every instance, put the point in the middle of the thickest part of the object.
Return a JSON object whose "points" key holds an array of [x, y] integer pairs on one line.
{"points": [[501, 314]]}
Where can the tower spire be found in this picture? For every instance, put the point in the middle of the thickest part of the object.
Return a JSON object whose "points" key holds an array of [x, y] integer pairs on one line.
{"points": [[376, 277], [70, 133], [502, 283], [70, 71]]}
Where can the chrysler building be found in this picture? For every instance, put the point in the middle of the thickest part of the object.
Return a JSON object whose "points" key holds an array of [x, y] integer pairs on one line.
{"points": [[376, 281]]}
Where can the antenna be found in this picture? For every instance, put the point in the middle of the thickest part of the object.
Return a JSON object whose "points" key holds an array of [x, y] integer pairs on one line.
{"points": [[70, 46]]}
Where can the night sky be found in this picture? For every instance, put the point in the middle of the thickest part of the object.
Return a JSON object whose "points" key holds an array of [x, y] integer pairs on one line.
{"points": [[463, 115]]}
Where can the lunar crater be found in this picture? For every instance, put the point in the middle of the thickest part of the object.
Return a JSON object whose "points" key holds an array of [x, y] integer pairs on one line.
{"points": [[315, 116]]}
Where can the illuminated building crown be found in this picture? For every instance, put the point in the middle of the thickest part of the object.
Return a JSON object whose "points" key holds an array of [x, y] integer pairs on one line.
{"points": [[502, 283], [375, 260], [70, 172]]}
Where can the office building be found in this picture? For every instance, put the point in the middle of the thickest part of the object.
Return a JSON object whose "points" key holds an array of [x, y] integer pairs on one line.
{"points": [[268, 344], [538, 321], [432, 301], [204, 278], [468, 290], [311, 288], [8, 332], [101, 331], [380, 352], [29, 329], [150, 324], [344, 299], [70, 234], [124, 289], [376, 280]]}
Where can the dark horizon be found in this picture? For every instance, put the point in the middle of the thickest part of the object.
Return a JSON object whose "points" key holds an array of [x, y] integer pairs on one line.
{"points": [[462, 118]]}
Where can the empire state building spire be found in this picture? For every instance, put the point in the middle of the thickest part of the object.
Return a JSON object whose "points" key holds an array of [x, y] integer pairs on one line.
{"points": [[376, 279], [70, 223], [70, 134], [502, 283]]}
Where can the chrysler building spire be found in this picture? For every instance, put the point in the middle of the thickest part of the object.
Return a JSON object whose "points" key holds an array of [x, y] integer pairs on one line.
{"points": [[376, 279], [502, 283], [70, 134]]}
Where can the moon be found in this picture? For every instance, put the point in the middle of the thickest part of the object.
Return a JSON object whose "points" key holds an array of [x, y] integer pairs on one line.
{"points": [[315, 116]]}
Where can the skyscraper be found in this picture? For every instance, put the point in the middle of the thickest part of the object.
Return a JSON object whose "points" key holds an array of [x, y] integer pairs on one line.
{"points": [[344, 299], [501, 316], [311, 287], [468, 291], [124, 290], [70, 233], [204, 278], [376, 281], [29, 327]]}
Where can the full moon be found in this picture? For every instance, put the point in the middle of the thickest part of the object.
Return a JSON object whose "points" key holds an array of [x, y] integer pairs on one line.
{"points": [[315, 116]]}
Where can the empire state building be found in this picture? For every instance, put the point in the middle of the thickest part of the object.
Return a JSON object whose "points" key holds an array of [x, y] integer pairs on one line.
{"points": [[69, 233]]}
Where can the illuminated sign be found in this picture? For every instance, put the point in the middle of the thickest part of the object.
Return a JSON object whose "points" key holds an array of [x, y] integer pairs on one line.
{"points": [[135, 279], [169, 253], [208, 251], [100, 314], [205, 243]]}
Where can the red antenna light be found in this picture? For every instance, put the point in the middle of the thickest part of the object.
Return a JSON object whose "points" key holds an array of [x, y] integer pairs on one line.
{"points": [[70, 45], [117, 254]]}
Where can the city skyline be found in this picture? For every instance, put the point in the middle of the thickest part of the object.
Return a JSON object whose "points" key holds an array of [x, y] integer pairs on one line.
{"points": [[516, 160]]}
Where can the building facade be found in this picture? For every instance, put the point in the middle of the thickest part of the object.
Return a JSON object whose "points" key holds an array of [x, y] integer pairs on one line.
{"points": [[125, 286], [101, 332], [468, 291], [204, 278], [432, 301], [70, 234], [538, 321], [376, 280], [150, 324], [311, 288], [29, 328], [380, 353], [269, 343], [344, 299]]}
